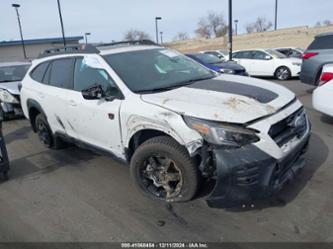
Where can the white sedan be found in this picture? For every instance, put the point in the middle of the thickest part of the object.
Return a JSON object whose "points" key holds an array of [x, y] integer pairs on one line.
{"points": [[322, 95], [268, 62]]}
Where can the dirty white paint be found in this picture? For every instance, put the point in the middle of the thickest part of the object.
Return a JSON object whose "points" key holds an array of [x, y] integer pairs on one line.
{"points": [[89, 120]]}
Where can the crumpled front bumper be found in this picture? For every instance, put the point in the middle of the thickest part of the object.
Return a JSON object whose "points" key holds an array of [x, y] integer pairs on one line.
{"points": [[247, 174]]}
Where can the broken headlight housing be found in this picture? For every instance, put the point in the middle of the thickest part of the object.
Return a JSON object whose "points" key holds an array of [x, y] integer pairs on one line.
{"points": [[223, 134], [6, 97]]}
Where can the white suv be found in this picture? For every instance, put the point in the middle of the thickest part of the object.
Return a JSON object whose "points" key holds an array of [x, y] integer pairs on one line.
{"points": [[176, 122]]}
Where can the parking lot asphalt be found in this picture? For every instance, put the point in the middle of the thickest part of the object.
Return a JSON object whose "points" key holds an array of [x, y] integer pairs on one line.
{"points": [[76, 195]]}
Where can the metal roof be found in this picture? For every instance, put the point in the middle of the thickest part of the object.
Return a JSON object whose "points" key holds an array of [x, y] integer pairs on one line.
{"points": [[40, 41]]}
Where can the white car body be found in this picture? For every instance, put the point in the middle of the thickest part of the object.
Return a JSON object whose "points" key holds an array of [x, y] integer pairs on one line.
{"points": [[226, 99], [322, 95], [267, 66]]}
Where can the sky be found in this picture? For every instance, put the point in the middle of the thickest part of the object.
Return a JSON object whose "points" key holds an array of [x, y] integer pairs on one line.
{"points": [[109, 20]]}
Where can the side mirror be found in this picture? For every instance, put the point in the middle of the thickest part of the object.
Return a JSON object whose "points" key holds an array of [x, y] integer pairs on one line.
{"points": [[93, 92], [268, 57]]}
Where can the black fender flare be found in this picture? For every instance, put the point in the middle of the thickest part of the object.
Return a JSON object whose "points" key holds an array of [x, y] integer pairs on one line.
{"points": [[31, 103]]}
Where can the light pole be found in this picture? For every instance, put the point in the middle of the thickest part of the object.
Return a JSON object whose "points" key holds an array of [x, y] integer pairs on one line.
{"points": [[156, 20], [161, 33], [16, 6], [276, 13], [236, 22], [85, 35], [62, 24], [230, 30]]}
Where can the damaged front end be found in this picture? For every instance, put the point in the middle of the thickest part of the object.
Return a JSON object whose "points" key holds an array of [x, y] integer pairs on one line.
{"points": [[247, 174], [242, 171]]}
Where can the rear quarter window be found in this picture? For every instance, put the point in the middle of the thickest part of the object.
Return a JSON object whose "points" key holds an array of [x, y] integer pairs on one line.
{"points": [[38, 73], [323, 42]]}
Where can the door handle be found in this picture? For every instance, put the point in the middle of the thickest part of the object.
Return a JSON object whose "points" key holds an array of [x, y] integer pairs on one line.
{"points": [[72, 103]]}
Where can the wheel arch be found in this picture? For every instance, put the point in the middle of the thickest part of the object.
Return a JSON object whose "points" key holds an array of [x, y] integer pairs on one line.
{"points": [[34, 108], [138, 137]]}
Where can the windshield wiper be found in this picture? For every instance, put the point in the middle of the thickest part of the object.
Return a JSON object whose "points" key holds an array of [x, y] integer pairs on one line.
{"points": [[179, 84]]}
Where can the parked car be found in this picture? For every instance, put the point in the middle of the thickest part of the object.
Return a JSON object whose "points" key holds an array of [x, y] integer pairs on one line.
{"points": [[268, 62], [291, 52], [222, 54], [322, 95], [11, 74], [218, 65], [173, 120], [319, 53]]}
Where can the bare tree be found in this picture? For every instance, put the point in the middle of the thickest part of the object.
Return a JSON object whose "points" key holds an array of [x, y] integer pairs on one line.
{"points": [[217, 24], [203, 29], [327, 22], [181, 36], [318, 24], [134, 34], [212, 25], [260, 25]]}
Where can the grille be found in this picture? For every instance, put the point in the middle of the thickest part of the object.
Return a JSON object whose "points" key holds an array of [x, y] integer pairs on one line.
{"points": [[295, 125]]}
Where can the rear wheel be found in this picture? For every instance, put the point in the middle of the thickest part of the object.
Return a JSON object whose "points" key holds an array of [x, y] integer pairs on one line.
{"points": [[283, 73], [162, 169]]}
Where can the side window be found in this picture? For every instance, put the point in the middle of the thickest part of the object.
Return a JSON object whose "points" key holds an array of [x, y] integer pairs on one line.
{"points": [[38, 73], [236, 55], [62, 73], [243, 55], [85, 77], [258, 55], [214, 53]]}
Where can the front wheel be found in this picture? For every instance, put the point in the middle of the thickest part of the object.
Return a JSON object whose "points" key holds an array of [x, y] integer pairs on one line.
{"points": [[283, 73], [162, 169]]}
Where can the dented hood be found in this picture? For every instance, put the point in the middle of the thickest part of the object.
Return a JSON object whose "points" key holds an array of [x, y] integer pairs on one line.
{"points": [[227, 98]]}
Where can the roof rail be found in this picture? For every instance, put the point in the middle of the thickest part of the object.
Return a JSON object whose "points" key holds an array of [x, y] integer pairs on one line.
{"points": [[128, 43], [80, 48]]}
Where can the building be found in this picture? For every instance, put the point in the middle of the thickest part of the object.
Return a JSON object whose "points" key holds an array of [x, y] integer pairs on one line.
{"points": [[13, 51]]}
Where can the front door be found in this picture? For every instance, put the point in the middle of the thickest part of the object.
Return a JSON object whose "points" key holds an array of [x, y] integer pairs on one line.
{"points": [[96, 121]]}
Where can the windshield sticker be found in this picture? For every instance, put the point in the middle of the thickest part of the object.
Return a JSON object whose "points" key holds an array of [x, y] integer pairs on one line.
{"points": [[170, 53], [91, 62]]}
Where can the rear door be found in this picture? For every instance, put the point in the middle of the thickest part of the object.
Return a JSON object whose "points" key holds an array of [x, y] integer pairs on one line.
{"points": [[59, 80]]}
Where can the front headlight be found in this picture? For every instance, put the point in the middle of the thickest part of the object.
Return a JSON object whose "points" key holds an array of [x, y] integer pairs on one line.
{"points": [[222, 134], [297, 63], [228, 71], [6, 97]]}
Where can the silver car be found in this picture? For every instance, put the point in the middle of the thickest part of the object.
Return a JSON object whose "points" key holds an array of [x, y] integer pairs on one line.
{"points": [[11, 74], [319, 53]]}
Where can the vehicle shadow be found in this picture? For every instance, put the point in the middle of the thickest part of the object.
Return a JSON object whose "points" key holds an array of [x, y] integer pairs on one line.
{"points": [[326, 119], [47, 161], [316, 155], [19, 134]]}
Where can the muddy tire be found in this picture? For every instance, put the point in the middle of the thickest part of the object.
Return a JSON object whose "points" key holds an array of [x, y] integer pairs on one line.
{"points": [[43, 131], [162, 169], [282, 73]]}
